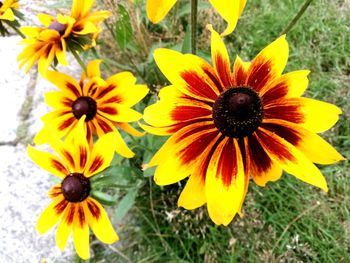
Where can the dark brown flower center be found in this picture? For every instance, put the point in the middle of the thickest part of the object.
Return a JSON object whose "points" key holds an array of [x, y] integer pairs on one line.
{"points": [[84, 105], [238, 112], [60, 28], [0, 4], [75, 187]]}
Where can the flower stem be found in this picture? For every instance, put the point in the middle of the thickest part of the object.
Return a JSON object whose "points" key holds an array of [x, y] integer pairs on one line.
{"points": [[78, 59], [297, 17], [194, 10]]}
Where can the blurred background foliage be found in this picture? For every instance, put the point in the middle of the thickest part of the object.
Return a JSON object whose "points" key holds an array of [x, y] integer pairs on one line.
{"points": [[287, 221]]}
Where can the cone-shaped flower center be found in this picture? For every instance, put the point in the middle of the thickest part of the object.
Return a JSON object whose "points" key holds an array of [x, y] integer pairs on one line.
{"points": [[84, 105], [238, 112], [75, 187], [60, 28]]}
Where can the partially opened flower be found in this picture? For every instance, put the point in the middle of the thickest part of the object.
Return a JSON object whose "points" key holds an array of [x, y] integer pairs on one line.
{"points": [[49, 43], [227, 125], [106, 104], [72, 207], [230, 10]]}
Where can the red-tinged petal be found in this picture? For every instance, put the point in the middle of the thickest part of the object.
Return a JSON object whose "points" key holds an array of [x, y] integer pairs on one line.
{"points": [[65, 226], [193, 195], [46, 59], [220, 58], [262, 168], [81, 233], [58, 100], [226, 183], [48, 162], [158, 9], [314, 115], [55, 191], [311, 145], [195, 76], [290, 158], [240, 72], [67, 84], [292, 84], [102, 154], [268, 64], [99, 222], [118, 113], [51, 215], [129, 129], [178, 156]]}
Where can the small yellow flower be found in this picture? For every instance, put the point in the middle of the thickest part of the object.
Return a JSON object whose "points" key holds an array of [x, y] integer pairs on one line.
{"points": [[50, 42], [106, 104], [230, 10], [227, 124], [72, 207], [6, 9]]}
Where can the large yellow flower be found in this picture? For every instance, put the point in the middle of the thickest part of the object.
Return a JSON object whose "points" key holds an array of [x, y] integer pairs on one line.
{"points": [[6, 9], [230, 10], [227, 125], [49, 43], [106, 104], [72, 208]]}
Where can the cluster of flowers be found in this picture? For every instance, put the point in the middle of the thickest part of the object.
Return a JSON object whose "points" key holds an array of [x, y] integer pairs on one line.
{"points": [[226, 124]]}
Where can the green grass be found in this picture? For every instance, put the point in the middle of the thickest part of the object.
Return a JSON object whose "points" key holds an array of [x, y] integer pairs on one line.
{"points": [[287, 221]]}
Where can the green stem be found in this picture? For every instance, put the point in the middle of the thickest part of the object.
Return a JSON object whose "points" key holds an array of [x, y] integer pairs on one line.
{"points": [[16, 29], [78, 59], [194, 10], [297, 17]]}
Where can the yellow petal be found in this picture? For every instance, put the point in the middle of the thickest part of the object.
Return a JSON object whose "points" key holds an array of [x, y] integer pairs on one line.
{"points": [[268, 64], [230, 11], [81, 233], [45, 62], [225, 184], [45, 19], [99, 222], [8, 15], [65, 83], [48, 162], [158, 9], [93, 68], [129, 129], [118, 113], [65, 226], [51, 215], [102, 154], [220, 58], [291, 159], [58, 100]]}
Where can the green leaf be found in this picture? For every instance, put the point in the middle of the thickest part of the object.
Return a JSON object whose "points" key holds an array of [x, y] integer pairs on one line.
{"points": [[123, 28], [125, 205], [104, 198]]}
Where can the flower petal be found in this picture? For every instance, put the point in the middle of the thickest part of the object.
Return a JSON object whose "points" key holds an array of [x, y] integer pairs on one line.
{"points": [[93, 68], [65, 226], [226, 183], [230, 11], [268, 64], [81, 233], [99, 222], [51, 215], [220, 58], [262, 168], [46, 59], [290, 159], [314, 115], [58, 100], [48, 162], [67, 84], [118, 112], [129, 129], [102, 154], [311, 145], [240, 72], [195, 76], [157, 10], [177, 157]]}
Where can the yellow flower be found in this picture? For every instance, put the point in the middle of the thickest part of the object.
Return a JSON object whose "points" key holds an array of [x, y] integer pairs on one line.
{"points": [[49, 43], [227, 125], [230, 10], [106, 104], [72, 207], [6, 9]]}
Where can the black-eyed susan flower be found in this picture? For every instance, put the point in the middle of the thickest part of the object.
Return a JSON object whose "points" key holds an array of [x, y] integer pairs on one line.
{"points": [[229, 10], [72, 208], [8, 14], [229, 124], [106, 104], [49, 43]]}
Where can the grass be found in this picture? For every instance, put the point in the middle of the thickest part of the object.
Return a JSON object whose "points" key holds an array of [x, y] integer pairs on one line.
{"points": [[287, 221]]}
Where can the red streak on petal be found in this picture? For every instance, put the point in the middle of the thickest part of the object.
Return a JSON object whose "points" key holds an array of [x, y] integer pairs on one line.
{"points": [[223, 69], [83, 156], [94, 209], [227, 165], [290, 113], [292, 136], [259, 158], [97, 163], [81, 216], [70, 216], [65, 124], [260, 75], [73, 89], [59, 208], [104, 126], [68, 157], [105, 91], [114, 99], [275, 93], [214, 79], [184, 113], [109, 110], [198, 86], [58, 166]]}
